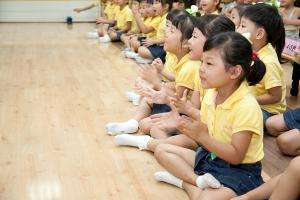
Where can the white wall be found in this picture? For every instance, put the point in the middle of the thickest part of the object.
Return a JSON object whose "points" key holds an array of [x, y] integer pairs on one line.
{"points": [[45, 11]]}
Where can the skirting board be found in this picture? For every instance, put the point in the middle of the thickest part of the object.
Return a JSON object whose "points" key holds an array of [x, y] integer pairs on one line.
{"points": [[46, 11]]}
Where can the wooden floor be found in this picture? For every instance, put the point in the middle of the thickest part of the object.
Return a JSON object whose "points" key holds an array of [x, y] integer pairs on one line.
{"points": [[57, 90]]}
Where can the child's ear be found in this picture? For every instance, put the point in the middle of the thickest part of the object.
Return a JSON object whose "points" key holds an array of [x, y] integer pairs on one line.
{"points": [[260, 33], [235, 72], [217, 2]]}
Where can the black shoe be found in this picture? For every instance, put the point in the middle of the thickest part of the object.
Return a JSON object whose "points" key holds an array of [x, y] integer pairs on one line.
{"points": [[294, 92]]}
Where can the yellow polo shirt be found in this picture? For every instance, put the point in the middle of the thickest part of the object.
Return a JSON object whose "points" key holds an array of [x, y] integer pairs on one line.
{"points": [[160, 33], [240, 112], [185, 72], [155, 22], [171, 61], [274, 77], [110, 10], [123, 16], [198, 86]]}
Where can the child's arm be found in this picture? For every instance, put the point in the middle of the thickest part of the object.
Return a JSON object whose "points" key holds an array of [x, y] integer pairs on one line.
{"points": [[143, 28], [295, 21], [78, 10], [272, 96], [148, 42]]}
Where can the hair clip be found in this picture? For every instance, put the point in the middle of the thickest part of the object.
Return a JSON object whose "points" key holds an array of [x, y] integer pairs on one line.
{"points": [[192, 10]]}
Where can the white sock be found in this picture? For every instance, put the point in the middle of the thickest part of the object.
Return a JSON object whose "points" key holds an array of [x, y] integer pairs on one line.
{"points": [[140, 141], [131, 126], [166, 177], [133, 97], [207, 180]]}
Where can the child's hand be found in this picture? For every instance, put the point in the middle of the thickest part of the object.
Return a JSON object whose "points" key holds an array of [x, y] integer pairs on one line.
{"points": [[148, 72], [135, 9], [192, 128], [158, 64], [166, 120], [78, 10], [181, 103], [297, 56], [147, 42]]}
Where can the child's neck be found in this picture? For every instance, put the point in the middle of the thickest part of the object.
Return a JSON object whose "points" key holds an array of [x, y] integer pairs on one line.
{"points": [[180, 55], [256, 46], [210, 11], [122, 6], [225, 92], [289, 7]]}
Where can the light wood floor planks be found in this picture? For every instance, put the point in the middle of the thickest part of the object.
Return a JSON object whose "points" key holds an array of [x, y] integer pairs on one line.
{"points": [[57, 91]]}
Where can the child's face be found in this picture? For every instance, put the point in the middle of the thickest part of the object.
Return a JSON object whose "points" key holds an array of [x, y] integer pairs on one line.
{"points": [[247, 26], [121, 2], [196, 43], [167, 27], [209, 6], [235, 17], [158, 9], [173, 39], [212, 67], [143, 13], [286, 3], [177, 5], [135, 4]]}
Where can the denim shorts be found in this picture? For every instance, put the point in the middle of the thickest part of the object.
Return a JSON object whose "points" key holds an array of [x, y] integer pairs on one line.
{"points": [[160, 108], [240, 178], [292, 119], [158, 51], [119, 34]]}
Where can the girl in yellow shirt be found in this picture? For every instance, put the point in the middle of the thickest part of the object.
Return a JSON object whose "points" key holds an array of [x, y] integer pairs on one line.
{"points": [[265, 27], [205, 27], [230, 131]]}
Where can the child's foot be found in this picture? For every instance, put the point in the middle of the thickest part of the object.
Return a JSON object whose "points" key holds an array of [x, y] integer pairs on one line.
{"points": [[105, 38], [139, 141], [131, 126], [134, 98], [92, 35], [130, 54], [207, 180], [166, 177], [141, 60]]}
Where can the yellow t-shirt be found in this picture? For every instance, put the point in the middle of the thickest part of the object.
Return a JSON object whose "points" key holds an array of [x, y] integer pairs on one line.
{"points": [[108, 11], [185, 72], [171, 61], [274, 77], [123, 16], [134, 26], [198, 86], [155, 22], [160, 33], [240, 112]]}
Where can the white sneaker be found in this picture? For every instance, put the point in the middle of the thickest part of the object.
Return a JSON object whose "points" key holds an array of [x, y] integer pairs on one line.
{"points": [[141, 60], [104, 39], [130, 54], [134, 98], [92, 35]]}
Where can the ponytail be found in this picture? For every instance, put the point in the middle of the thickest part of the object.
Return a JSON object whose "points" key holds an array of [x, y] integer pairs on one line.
{"points": [[256, 73]]}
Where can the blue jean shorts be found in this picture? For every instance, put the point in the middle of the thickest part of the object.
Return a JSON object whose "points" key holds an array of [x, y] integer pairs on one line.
{"points": [[119, 34], [240, 178], [158, 51], [160, 108], [292, 119]]}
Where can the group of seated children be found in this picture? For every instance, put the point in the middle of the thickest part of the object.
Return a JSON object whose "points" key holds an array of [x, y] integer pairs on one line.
{"points": [[214, 86]]}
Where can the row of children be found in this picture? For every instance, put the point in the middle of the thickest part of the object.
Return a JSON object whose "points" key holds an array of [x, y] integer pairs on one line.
{"points": [[204, 105]]}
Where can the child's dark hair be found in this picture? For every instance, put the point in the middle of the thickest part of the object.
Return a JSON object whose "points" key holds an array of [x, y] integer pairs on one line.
{"points": [[174, 13], [241, 8], [166, 2], [184, 23], [237, 50], [266, 16], [211, 25], [150, 1]]}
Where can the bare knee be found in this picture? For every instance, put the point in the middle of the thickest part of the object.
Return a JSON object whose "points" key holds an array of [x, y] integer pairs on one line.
{"points": [[294, 167], [284, 144], [160, 150], [270, 127], [144, 52], [145, 126]]}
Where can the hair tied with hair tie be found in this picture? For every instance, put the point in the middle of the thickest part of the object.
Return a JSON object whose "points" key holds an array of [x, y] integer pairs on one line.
{"points": [[254, 56], [192, 10]]}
